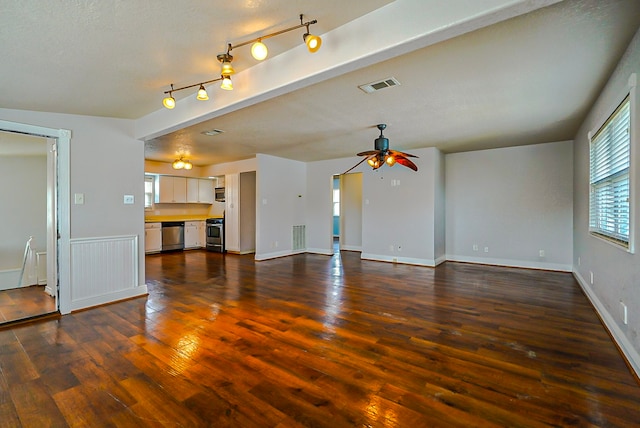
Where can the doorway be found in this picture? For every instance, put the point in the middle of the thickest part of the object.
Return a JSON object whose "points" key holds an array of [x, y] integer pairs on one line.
{"points": [[347, 190], [36, 268]]}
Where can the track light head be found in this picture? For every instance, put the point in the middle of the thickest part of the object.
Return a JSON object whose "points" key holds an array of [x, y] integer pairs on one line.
{"points": [[226, 83], [169, 102], [225, 59], [202, 94], [259, 50], [313, 42]]}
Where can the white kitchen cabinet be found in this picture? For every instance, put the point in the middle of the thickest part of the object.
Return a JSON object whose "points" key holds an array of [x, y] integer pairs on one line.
{"points": [[171, 190], [192, 190], [199, 191], [205, 191], [194, 234], [152, 237]]}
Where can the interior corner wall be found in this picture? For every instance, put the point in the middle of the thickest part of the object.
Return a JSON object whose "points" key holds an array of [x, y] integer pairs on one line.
{"points": [[351, 211], [281, 195], [504, 206], [616, 272], [439, 245]]}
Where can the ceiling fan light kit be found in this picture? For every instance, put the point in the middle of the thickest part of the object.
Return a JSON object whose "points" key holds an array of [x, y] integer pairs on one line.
{"points": [[383, 155], [258, 50]]}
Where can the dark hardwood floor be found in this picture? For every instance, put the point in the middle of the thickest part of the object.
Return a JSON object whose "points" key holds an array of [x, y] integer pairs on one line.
{"points": [[312, 340]]}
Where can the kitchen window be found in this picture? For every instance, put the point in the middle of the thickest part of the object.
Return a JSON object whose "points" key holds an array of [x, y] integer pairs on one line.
{"points": [[148, 192], [609, 172]]}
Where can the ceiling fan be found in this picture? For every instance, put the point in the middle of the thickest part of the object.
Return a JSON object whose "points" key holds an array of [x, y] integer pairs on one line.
{"points": [[383, 155]]}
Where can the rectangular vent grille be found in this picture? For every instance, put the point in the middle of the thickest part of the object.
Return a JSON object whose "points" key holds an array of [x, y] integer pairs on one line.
{"points": [[299, 240], [381, 84]]}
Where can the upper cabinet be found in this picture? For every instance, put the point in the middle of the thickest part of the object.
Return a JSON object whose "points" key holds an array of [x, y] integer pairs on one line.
{"points": [[176, 190], [171, 190], [199, 191]]}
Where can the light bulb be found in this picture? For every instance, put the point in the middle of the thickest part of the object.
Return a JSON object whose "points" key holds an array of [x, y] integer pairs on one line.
{"points": [[202, 94], [169, 102], [390, 160], [259, 50], [178, 164], [227, 68], [188, 165], [226, 83]]}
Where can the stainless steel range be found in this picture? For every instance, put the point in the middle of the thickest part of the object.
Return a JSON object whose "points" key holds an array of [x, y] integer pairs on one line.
{"points": [[215, 234]]}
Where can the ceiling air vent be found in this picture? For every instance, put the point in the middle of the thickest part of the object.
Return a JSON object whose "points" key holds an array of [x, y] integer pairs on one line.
{"points": [[213, 132], [381, 84]]}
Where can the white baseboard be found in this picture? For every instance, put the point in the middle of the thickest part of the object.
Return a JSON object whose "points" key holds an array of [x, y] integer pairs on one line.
{"points": [[510, 263], [322, 251], [89, 302], [630, 353], [9, 279], [276, 254], [351, 247], [402, 260]]}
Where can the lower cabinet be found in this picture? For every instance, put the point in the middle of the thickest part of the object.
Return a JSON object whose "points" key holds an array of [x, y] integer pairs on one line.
{"points": [[194, 234], [152, 237]]}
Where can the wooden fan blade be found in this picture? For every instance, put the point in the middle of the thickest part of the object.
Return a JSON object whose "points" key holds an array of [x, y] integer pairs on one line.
{"points": [[406, 155], [368, 153], [406, 162], [355, 166]]}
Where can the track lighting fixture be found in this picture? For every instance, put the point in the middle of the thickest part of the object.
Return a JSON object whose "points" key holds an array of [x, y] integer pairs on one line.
{"points": [[258, 50], [180, 163]]}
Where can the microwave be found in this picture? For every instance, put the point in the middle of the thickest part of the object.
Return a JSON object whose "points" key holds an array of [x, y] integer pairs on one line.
{"points": [[219, 194]]}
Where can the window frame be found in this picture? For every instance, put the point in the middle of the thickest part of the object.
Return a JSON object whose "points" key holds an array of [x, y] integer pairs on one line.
{"points": [[629, 94], [153, 191]]}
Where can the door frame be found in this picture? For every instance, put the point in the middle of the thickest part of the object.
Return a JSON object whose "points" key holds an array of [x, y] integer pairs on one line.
{"points": [[58, 208]]}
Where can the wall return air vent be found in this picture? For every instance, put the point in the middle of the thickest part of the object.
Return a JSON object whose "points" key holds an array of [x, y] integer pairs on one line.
{"points": [[380, 84]]}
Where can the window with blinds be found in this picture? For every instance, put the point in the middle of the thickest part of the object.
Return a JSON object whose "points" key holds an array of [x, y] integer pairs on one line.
{"points": [[609, 178]]}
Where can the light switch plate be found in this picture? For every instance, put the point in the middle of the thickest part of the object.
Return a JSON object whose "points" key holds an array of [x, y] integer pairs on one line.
{"points": [[78, 198], [128, 199]]}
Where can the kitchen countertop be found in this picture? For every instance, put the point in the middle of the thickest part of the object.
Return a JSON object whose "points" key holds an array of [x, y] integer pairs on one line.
{"points": [[161, 218]]}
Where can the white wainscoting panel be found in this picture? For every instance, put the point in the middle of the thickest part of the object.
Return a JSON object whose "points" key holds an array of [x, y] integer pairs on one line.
{"points": [[104, 270]]}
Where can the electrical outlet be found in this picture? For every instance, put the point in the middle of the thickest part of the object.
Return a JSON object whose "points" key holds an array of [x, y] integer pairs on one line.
{"points": [[541, 253], [475, 247], [486, 249]]}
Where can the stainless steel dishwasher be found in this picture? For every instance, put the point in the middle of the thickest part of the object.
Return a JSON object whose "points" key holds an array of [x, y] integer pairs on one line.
{"points": [[172, 235]]}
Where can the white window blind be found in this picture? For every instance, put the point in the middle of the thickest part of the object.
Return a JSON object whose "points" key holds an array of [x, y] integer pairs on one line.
{"points": [[609, 178]]}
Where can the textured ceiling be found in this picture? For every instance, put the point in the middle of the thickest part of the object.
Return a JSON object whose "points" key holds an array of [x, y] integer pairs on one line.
{"points": [[529, 79]]}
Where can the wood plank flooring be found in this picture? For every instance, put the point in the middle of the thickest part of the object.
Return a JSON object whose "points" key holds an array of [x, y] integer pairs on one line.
{"points": [[25, 302], [321, 341]]}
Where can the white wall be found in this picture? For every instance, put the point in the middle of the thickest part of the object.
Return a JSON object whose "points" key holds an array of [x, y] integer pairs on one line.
{"points": [[106, 163], [439, 208], [513, 201], [23, 210], [281, 193], [616, 273]]}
